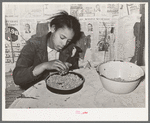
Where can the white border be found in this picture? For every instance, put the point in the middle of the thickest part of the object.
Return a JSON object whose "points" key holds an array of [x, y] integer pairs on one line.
{"points": [[94, 114]]}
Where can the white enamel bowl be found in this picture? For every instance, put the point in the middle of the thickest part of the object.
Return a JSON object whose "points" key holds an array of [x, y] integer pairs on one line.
{"points": [[129, 75]]}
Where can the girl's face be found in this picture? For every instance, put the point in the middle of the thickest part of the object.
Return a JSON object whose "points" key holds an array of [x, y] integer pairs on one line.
{"points": [[61, 37]]}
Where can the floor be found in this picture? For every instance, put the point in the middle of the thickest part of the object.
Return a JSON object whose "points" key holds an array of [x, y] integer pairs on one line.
{"points": [[12, 90]]}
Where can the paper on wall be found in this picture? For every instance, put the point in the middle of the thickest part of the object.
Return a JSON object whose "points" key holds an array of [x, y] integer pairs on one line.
{"points": [[50, 9], [133, 8], [30, 10], [87, 13], [27, 28], [11, 10], [99, 29], [113, 9]]}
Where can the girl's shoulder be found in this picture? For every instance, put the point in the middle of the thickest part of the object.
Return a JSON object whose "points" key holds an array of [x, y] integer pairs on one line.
{"points": [[36, 41]]}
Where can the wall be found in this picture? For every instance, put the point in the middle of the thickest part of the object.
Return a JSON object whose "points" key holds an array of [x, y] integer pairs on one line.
{"points": [[97, 20]]}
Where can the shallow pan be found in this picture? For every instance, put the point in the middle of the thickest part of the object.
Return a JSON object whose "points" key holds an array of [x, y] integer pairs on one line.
{"points": [[65, 91]]}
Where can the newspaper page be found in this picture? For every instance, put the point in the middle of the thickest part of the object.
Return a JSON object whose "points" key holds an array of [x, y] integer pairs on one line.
{"points": [[99, 31], [50, 9], [12, 42], [133, 8]]}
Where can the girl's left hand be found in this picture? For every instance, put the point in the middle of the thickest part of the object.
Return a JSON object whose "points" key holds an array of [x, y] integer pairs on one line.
{"points": [[68, 65]]}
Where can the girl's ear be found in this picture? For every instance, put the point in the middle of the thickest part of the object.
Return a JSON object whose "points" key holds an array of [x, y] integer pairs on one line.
{"points": [[53, 28]]}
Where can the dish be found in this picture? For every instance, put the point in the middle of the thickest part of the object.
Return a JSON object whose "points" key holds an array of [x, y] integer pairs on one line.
{"points": [[120, 77], [67, 84]]}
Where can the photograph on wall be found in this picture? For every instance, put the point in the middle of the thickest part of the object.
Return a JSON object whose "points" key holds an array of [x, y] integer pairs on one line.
{"points": [[27, 28]]}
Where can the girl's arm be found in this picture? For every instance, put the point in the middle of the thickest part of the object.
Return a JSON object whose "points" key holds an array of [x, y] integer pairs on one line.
{"points": [[22, 73]]}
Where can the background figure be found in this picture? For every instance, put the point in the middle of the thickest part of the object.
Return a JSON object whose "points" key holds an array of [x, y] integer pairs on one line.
{"points": [[97, 8], [90, 27], [103, 44], [27, 28], [111, 41]]}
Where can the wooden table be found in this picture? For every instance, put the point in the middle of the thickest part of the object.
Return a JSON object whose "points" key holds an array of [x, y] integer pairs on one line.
{"points": [[92, 95]]}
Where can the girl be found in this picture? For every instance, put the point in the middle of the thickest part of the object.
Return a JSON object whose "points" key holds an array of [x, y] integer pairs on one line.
{"points": [[51, 52]]}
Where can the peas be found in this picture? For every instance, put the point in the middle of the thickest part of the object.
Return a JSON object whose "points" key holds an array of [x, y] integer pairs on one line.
{"points": [[65, 82]]}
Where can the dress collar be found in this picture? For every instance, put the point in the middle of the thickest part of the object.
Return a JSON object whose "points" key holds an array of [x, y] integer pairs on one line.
{"points": [[49, 49]]}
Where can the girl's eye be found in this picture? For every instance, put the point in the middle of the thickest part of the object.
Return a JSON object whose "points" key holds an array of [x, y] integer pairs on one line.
{"points": [[62, 37]]}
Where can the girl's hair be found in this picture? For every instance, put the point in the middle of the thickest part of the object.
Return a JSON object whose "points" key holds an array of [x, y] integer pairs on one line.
{"points": [[62, 19], [90, 24]]}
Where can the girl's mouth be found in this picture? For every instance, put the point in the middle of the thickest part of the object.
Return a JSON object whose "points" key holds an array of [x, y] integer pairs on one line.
{"points": [[59, 48]]}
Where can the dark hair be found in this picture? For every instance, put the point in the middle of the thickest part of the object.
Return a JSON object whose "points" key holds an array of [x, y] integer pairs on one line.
{"points": [[27, 25], [90, 24], [63, 19]]}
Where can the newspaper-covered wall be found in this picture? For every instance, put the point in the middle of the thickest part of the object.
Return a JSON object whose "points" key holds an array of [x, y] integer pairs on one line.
{"points": [[99, 29], [105, 23]]}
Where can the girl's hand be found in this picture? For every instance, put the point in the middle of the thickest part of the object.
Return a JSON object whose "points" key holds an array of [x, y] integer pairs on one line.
{"points": [[58, 65], [61, 67]]}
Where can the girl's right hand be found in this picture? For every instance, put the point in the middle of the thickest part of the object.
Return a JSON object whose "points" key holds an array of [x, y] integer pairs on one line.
{"points": [[57, 65]]}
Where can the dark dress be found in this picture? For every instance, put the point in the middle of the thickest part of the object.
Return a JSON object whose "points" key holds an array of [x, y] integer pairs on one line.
{"points": [[35, 53]]}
